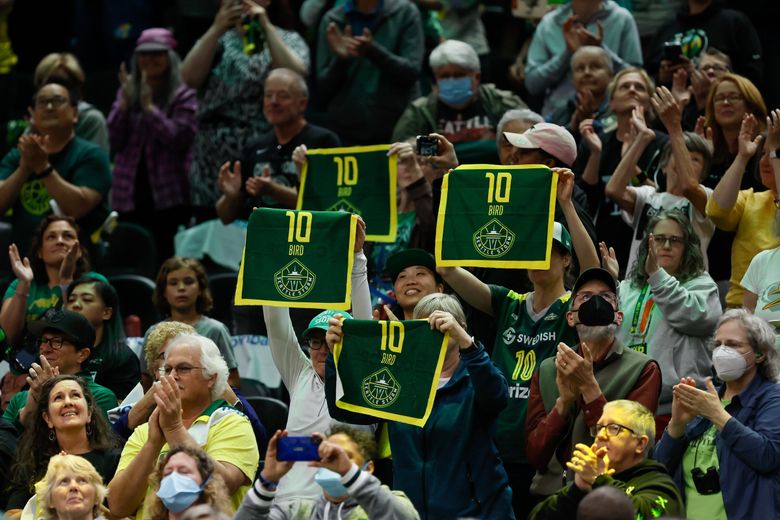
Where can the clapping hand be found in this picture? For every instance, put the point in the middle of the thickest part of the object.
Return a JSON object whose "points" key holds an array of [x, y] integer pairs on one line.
{"points": [[748, 144], [773, 130], [705, 403], [609, 260], [21, 268], [651, 263], [588, 463], [168, 399], [668, 108], [229, 182], [589, 136]]}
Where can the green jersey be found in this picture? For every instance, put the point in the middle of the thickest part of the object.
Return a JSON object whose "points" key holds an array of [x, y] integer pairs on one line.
{"points": [[523, 340]]}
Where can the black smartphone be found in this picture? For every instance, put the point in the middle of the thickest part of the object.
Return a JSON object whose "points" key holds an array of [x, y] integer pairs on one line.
{"points": [[297, 448], [23, 360], [427, 145], [672, 51]]}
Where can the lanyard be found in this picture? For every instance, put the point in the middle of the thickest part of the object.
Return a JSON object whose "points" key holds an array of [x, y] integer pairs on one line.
{"points": [[646, 314]]}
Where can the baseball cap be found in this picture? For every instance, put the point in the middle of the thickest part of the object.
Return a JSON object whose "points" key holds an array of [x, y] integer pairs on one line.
{"points": [[72, 325], [320, 321], [407, 258], [562, 236], [553, 139], [594, 273], [155, 39]]}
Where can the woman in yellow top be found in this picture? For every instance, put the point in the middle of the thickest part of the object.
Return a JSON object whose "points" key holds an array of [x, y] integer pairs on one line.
{"points": [[749, 213]]}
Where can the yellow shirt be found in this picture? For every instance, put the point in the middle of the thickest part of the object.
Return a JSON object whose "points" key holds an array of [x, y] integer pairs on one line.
{"points": [[751, 217], [229, 438]]}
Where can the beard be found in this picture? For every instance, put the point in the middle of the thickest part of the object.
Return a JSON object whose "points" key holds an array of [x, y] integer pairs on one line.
{"points": [[595, 333]]}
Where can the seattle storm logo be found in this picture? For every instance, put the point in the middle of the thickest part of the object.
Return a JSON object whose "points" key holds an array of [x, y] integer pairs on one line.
{"points": [[380, 389], [494, 239], [294, 280]]}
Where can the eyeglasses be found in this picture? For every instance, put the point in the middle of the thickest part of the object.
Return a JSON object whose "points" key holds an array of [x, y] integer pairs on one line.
{"points": [[585, 296], [672, 240], [717, 67], [182, 370], [53, 342], [54, 101], [316, 343], [613, 430], [733, 99]]}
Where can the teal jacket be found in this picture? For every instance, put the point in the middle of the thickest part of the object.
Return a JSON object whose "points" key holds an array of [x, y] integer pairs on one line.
{"points": [[366, 95]]}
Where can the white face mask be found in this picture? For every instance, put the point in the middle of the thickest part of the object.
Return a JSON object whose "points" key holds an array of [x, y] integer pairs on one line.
{"points": [[729, 363]]}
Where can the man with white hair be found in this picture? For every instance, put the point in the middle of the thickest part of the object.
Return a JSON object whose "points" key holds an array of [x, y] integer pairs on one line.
{"points": [[460, 108], [189, 412]]}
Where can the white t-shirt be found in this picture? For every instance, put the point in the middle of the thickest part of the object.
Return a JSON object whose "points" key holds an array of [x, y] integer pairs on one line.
{"points": [[649, 202], [763, 278]]}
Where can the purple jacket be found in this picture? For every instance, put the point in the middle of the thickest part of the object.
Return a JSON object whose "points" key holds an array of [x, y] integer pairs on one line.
{"points": [[163, 140]]}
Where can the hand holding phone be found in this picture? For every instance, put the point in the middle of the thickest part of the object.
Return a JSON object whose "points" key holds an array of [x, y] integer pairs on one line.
{"points": [[427, 145]]}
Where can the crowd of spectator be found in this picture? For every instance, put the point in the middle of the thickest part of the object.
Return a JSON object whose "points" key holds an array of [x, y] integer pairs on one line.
{"points": [[636, 377]]}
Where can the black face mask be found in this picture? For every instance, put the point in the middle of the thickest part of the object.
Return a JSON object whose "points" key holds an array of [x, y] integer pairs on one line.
{"points": [[597, 311]]}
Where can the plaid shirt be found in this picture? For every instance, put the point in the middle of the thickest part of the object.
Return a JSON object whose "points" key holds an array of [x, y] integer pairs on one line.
{"points": [[163, 139]]}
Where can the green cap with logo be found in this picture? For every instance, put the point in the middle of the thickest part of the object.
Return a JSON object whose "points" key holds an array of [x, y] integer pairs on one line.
{"points": [[320, 321], [562, 236]]}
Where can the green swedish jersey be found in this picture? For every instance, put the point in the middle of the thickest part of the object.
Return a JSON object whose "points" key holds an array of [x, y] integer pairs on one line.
{"points": [[522, 342]]}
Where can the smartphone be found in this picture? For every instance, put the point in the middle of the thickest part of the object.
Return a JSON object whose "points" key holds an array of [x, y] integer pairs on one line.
{"points": [[297, 448], [427, 145], [672, 51], [23, 360]]}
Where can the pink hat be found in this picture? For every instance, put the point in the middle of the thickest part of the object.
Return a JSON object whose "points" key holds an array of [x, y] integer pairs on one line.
{"points": [[155, 39], [553, 139]]}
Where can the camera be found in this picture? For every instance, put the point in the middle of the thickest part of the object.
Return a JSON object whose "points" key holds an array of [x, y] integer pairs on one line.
{"points": [[427, 145], [672, 51], [706, 483]]}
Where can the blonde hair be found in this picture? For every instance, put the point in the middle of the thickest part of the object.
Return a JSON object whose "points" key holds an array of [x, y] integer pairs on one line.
{"points": [[56, 60], [78, 466], [161, 334], [649, 83], [639, 418]]}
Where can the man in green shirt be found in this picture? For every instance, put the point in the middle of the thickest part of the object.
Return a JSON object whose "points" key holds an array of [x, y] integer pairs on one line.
{"points": [[66, 338]]}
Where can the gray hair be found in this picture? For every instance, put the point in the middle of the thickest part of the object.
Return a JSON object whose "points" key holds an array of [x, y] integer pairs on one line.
{"points": [[516, 114], [604, 55], [211, 361], [170, 86], [639, 418], [454, 52], [439, 302], [299, 83], [761, 337]]}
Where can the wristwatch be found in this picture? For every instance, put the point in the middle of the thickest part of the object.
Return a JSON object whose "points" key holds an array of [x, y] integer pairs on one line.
{"points": [[45, 173], [267, 484]]}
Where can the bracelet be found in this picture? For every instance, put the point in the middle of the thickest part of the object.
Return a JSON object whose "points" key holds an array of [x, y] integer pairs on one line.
{"points": [[45, 173]]}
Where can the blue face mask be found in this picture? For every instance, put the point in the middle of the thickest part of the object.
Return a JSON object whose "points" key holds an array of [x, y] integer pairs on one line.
{"points": [[330, 482], [455, 91], [178, 492]]}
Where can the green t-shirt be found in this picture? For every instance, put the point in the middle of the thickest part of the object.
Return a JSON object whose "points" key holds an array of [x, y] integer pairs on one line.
{"points": [[40, 299], [702, 453], [104, 399], [80, 163], [522, 342]]}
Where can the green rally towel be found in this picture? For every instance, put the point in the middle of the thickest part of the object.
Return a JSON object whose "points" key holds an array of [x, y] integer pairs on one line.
{"points": [[357, 179], [297, 259], [496, 216], [389, 369]]}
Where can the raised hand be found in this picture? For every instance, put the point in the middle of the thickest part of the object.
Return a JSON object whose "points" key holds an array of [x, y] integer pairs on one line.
{"points": [[411, 171], [639, 127], [681, 415], [145, 95], [21, 268], [228, 16], [168, 399], [773, 130], [126, 84], [668, 107], [299, 157], [229, 182], [588, 38], [578, 369], [39, 374], [651, 263], [360, 234], [609, 260], [589, 136], [68, 266], [747, 139], [565, 185], [702, 131], [570, 34], [338, 40], [446, 323], [680, 89]]}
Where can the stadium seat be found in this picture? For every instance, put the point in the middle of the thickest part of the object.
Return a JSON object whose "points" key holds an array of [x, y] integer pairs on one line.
{"points": [[135, 297], [272, 413], [130, 249], [223, 290]]}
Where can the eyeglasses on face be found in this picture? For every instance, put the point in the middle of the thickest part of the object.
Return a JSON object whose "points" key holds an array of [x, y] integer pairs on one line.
{"points": [[672, 240], [182, 370], [55, 342], [732, 99], [316, 343], [613, 429], [54, 101]]}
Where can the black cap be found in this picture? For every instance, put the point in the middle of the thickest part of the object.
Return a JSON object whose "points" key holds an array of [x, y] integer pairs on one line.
{"points": [[594, 273], [403, 259], [73, 326]]}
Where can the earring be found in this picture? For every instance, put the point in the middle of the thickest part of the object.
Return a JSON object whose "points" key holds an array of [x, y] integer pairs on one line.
{"points": [[52, 435]]}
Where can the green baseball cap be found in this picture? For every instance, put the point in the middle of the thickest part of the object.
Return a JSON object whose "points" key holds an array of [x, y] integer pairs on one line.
{"points": [[562, 236], [409, 257], [320, 321]]}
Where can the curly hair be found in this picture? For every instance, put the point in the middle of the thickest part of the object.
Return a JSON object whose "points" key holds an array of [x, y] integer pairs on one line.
{"points": [[36, 262], [215, 492], [35, 446], [364, 440], [205, 301], [77, 466], [161, 334], [692, 264]]}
